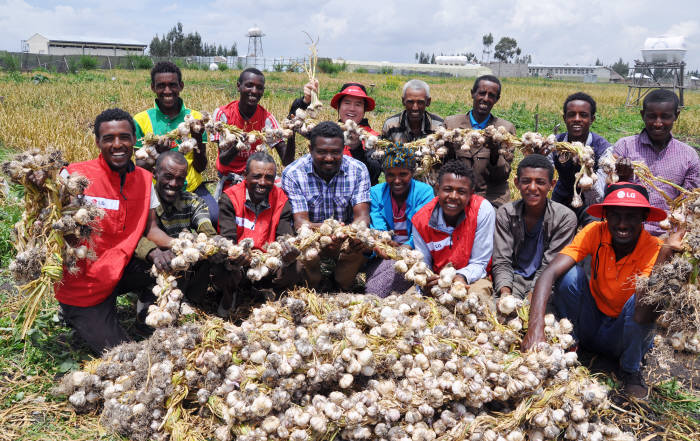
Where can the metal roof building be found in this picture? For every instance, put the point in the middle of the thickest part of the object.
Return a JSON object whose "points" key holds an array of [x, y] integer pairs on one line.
{"points": [[69, 45]]}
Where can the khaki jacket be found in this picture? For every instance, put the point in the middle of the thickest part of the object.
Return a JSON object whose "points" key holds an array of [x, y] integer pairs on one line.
{"points": [[491, 180]]}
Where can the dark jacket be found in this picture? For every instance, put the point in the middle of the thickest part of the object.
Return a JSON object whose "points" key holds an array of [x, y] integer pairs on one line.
{"points": [[396, 128], [558, 228]]}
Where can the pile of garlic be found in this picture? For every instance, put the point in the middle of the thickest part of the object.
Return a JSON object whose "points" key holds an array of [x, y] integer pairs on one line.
{"points": [[350, 367], [180, 137]]}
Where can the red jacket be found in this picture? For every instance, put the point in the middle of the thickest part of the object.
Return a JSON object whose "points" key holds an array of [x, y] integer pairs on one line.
{"points": [[263, 228], [126, 214], [444, 249]]}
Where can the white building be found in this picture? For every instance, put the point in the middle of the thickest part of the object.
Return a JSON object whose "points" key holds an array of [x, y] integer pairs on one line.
{"points": [[593, 74], [39, 44], [468, 70]]}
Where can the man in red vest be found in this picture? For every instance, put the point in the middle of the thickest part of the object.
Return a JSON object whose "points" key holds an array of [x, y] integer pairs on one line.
{"points": [[257, 209], [457, 227], [126, 194]]}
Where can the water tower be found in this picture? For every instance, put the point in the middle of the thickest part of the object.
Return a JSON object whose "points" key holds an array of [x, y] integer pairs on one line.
{"points": [[662, 68], [255, 35]]}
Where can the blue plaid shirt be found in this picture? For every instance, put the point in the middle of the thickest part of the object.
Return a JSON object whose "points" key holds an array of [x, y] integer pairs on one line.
{"points": [[324, 200]]}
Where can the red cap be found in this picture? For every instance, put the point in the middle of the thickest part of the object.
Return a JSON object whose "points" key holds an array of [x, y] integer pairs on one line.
{"points": [[353, 91], [626, 194]]}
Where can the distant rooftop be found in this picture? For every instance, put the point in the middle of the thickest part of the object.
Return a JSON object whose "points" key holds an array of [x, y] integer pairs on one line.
{"points": [[92, 39]]}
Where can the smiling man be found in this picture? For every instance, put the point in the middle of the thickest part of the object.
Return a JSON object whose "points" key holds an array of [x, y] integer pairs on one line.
{"points": [[415, 122], [456, 227], [605, 312], [247, 114], [491, 169], [529, 231], [666, 156], [579, 114]]}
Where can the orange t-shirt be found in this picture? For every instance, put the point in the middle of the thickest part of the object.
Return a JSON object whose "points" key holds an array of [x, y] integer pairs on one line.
{"points": [[616, 280]]}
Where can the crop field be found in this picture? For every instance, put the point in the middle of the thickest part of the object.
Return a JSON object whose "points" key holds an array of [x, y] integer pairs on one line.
{"points": [[49, 110]]}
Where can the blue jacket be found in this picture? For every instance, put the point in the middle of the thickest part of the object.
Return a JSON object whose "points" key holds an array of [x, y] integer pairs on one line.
{"points": [[564, 190], [382, 217]]}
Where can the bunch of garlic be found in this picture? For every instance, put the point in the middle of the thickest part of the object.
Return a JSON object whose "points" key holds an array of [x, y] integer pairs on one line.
{"points": [[533, 142], [180, 137], [303, 120], [230, 136], [608, 164], [351, 128]]}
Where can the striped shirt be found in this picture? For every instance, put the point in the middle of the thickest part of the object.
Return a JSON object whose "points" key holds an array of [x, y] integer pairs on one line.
{"points": [[308, 192], [189, 212], [677, 162], [400, 221]]}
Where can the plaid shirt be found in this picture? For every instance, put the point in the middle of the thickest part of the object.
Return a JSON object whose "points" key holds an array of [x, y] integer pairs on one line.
{"points": [[324, 200], [677, 162]]}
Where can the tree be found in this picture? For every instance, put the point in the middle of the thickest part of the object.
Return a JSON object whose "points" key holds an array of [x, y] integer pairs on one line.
{"points": [[176, 44], [432, 59], [506, 49], [621, 67], [598, 62], [488, 41]]}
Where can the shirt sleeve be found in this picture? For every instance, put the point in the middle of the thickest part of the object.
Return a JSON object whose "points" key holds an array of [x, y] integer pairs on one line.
{"points": [[155, 203], [362, 192], [227, 218], [200, 213], [139, 134], [294, 193], [421, 246], [376, 210], [483, 244], [583, 242], [692, 175], [503, 242], [144, 247]]}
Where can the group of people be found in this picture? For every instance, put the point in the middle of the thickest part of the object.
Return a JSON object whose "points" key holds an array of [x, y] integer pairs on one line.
{"points": [[534, 246]]}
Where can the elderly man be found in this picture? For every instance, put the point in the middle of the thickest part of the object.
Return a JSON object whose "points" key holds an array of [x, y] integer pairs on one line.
{"points": [[579, 114], [666, 156], [393, 204], [415, 121], [605, 312], [167, 113], [257, 209], [456, 227], [491, 169], [125, 192], [247, 114], [351, 102], [529, 231], [326, 184]]}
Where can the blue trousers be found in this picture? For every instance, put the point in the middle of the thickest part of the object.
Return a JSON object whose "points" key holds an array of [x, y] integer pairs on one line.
{"points": [[212, 203], [616, 337]]}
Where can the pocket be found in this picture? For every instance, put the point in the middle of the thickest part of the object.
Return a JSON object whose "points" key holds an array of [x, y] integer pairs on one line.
{"points": [[342, 207]]}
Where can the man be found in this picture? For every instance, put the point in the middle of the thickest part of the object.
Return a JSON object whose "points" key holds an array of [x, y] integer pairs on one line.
{"points": [[125, 192], [257, 209], [491, 169], [415, 122], [666, 156], [167, 113], [530, 231], [393, 204], [605, 313], [579, 114], [326, 184], [247, 114], [178, 210], [457, 227], [351, 102]]}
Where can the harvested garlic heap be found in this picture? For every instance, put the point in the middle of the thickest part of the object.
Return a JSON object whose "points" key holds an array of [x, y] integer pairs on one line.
{"points": [[234, 137], [674, 285], [51, 211], [183, 133], [348, 367]]}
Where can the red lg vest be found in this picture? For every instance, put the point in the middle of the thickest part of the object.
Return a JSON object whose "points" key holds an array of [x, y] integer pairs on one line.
{"points": [[117, 234], [262, 229], [444, 249], [234, 118]]}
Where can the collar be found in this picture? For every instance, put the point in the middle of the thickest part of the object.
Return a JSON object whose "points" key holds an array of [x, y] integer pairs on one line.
{"points": [[425, 125], [309, 167], [437, 220], [589, 139], [645, 140], [476, 125], [181, 113], [256, 208], [175, 207]]}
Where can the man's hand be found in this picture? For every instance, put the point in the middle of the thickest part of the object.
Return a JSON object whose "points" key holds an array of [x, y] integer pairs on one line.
{"points": [[432, 281], [354, 141], [505, 291], [242, 260], [535, 335], [164, 145], [312, 85], [378, 251], [160, 258], [674, 240], [289, 253], [624, 169], [460, 278]]}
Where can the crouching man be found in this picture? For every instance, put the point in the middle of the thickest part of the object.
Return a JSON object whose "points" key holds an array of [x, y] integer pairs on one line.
{"points": [[259, 210], [125, 193], [178, 210], [457, 227], [604, 309]]}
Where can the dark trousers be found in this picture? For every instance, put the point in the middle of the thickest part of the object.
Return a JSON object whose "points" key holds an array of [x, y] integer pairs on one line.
{"points": [[98, 325]]}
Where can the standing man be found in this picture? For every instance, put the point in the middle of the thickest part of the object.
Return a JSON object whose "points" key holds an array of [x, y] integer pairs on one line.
{"points": [[456, 227], [604, 309], [325, 184], [666, 156], [529, 231], [579, 114], [247, 114], [415, 122], [167, 113], [491, 169], [125, 192]]}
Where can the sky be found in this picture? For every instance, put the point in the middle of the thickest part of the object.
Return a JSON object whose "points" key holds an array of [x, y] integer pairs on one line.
{"points": [[575, 32]]}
